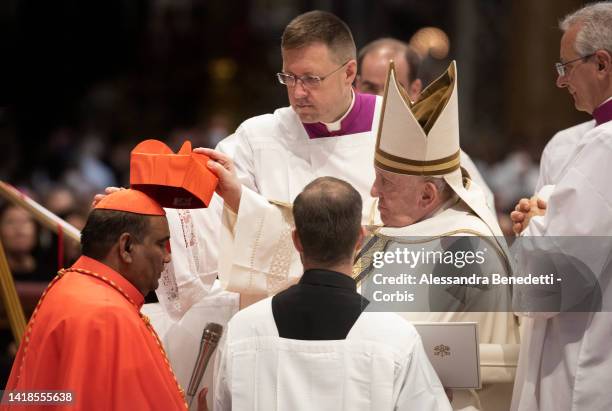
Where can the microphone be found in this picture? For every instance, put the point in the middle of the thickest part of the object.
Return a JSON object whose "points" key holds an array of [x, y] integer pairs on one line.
{"points": [[210, 337]]}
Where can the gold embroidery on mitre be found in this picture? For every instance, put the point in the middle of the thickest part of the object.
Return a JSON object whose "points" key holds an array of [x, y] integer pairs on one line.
{"points": [[434, 167]]}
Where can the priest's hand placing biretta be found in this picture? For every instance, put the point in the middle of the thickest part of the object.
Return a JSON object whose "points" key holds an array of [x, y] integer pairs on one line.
{"points": [[229, 187]]}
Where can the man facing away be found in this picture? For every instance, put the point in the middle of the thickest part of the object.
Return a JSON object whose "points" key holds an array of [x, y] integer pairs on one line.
{"points": [[565, 359], [87, 338], [312, 346]]}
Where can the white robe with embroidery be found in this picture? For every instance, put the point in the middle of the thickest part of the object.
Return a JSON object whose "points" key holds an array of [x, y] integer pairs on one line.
{"points": [[381, 365]]}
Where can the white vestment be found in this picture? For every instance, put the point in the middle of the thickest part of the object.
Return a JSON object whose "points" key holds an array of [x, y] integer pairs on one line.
{"points": [[470, 167], [275, 159], [566, 362], [381, 365], [556, 155], [493, 327]]}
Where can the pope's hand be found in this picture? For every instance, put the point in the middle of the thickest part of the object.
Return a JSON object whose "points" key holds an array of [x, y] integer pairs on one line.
{"points": [[524, 211], [107, 191], [229, 187]]}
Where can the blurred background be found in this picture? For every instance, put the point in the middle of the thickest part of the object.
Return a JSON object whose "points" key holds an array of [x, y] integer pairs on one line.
{"points": [[81, 82]]}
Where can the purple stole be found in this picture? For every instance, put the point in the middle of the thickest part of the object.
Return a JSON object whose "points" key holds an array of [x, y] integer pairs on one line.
{"points": [[603, 113]]}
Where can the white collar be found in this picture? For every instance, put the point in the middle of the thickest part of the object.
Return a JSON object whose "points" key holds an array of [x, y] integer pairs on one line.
{"points": [[337, 125]]}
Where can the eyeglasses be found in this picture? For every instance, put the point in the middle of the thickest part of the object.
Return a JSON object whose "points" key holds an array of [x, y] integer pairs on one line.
{"points": [[290, 80], [561, 66]]}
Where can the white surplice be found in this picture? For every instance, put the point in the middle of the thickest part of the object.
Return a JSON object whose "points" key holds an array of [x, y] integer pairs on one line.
{"points": [[381, 365], [275, 159], [565, 361], [556, 155]]}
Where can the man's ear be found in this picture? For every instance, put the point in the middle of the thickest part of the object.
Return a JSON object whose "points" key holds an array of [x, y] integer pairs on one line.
{"points": [[351, 71], [604, 61], [125, 248], [428, 194], [296, 241]]}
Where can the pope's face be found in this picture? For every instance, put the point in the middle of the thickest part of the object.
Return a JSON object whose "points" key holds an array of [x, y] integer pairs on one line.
{"points": [[327, 102], [398, 198], [152, 254], [580, 77]]}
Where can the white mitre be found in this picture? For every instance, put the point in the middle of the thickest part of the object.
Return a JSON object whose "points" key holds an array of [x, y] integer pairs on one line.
{"points": [[423, 138]]}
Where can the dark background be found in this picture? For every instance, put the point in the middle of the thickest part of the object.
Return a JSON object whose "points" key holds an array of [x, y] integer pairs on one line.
{"points": [[118, 71]]}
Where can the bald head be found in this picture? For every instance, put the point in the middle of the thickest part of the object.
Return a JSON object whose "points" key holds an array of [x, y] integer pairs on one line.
{"points": [[373, 63]]}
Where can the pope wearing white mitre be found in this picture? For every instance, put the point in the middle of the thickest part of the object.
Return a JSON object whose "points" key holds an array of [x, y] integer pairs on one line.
{"points": [[419, 144], [258, 259]]}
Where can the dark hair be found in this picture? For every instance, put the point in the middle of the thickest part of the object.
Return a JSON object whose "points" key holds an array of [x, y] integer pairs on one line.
{"points": [[327, 216], [395, 47], [104, 227], [320, 27]]}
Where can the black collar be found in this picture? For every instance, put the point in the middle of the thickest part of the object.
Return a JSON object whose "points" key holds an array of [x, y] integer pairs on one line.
{"points": [[328, 278]]}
